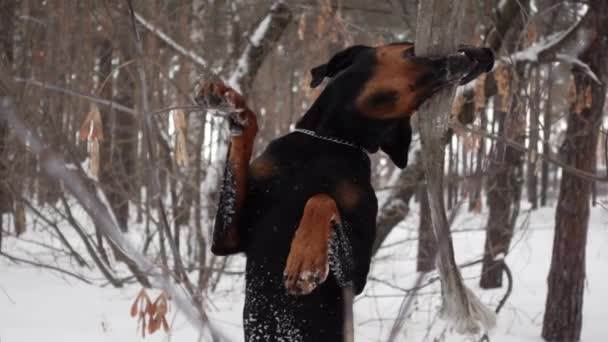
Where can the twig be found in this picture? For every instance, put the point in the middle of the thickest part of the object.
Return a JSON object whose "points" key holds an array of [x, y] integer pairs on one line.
{"points": [[567, 168], [407, 301], [56, 168], [91, 98], [197, 59], [149, 132], [405, 308], [98, 100], [41, 265], [104, 268], [264, 37], [10, 299], [149, 135], [71, 251], [503, 300]]}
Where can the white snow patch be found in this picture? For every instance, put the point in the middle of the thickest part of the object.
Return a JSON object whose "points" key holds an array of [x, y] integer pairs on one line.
{"points": [[40, 305]]}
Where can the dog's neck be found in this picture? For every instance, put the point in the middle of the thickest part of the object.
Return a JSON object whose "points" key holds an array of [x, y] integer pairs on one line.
{"points": [[330, 139], [327, 118], [344, 125], [322, 124]]}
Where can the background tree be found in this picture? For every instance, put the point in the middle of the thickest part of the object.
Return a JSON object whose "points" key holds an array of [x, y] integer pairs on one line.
{"points": [[564, 307]]}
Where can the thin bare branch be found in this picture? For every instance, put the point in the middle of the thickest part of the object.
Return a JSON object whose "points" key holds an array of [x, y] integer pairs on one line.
{"points": [[197, 59], [75, 93], [56, 168], [150, 131], [519, 147], [42, 265]]}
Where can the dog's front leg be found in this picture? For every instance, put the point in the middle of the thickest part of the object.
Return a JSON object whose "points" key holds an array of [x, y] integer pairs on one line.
{"points": [[308, 261], [243, 128]]}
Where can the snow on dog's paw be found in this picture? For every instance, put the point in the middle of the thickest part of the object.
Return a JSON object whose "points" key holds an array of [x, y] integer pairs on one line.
{"points": [[307, 268], [308, 261], [219, 100], [209, 93]]}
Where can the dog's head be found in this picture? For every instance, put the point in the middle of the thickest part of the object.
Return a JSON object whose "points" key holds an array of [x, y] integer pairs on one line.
{"points": [[373, 91]]}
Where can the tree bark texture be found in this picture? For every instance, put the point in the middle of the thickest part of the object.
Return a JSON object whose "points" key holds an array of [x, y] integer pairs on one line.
{"points": [[387, 219], [427, 246], [506, 164], [533, 135], [544, 179], [566, 282], [440, 23], [7, 15], [504, 187]]}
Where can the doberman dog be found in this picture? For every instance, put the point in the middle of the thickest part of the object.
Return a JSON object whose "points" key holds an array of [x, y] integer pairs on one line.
{"points": [[304, 211]]}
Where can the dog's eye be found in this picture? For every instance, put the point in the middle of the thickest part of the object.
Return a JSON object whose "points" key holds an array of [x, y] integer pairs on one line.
{"points": [[382, 98]]}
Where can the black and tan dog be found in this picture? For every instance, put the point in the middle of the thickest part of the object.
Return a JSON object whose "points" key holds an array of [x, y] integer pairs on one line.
{"points": [[304, 211]]}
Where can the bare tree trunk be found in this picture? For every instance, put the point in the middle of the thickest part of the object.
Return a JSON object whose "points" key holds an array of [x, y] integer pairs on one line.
{"points": [[7, 15], [427, 246], [564, 306], [531, 174], [504, 186], [396, 206], [506, 167], [125, 131], [104, 56], [255, 52], [196, 137], [504, 17], [182, 193], [546, 137], [475, 202], [450, 175]]}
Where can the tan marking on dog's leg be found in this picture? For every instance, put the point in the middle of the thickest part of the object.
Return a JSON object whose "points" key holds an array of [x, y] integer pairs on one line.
{"points": [[348, 195], [263, 168], [307, 263], [239, 155]]}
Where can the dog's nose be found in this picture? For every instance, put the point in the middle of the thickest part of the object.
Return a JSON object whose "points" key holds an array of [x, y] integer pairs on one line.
{"points": [[482, 58]]}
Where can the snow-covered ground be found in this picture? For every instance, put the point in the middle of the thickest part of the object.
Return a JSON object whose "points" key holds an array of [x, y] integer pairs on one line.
{"points": [[37, 305]]}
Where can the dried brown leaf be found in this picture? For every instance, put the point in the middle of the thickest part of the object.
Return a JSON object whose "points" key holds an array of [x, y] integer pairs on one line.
{"points": [[503, 84], [94, 157], [479, 93], [302, 26], [135, 305], [92, 126], [153, 325], [165, 324], [457, 105]]}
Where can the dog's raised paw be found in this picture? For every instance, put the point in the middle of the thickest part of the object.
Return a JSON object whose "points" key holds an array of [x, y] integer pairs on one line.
{"points": [[209, 93], [305, 270], [307, 264]]}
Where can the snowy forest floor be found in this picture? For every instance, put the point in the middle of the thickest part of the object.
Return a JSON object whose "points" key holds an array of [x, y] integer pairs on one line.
{"points": [[40, 305]]}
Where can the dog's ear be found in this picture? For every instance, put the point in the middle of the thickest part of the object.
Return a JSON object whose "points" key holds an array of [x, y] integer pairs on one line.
{"points": [[337, 63], [397, 144]]}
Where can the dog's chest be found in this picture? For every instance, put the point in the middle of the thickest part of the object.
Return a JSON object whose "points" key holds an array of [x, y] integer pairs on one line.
{"points": [[273, 179]]}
